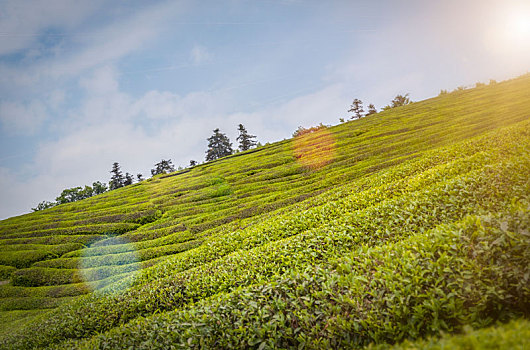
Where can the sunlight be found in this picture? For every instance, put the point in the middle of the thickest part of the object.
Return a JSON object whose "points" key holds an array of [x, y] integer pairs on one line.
{"points": [[508, 33], [519, 28]]}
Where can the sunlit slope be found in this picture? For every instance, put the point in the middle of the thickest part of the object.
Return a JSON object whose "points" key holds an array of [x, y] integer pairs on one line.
{"points": [[265, 244]]}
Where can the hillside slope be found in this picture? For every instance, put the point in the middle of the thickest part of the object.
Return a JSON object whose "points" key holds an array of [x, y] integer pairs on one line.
{"points": [[401, 225]]}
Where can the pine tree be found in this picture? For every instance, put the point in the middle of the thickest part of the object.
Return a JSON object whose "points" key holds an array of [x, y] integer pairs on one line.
{"points": [[371, 109], [401, 100], [356, 109], [117, 180], [398, 101], [128, 179], [163, 167], [246, 141], [218, 146], [44, 205]]}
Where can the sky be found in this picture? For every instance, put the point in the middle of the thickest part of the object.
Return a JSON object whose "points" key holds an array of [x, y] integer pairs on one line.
{"points": [[84, 84]]}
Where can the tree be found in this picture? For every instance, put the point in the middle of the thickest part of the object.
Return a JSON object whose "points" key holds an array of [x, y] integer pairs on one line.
{"points": [[302, 131], [218, 146], [139, 177], [163, 167], [356, 109], [371, 109], [193, 162], [128, 179], [398, 101], [70, 195], [401, 100], [98, 188], [44, 205], [86, 192], [74, 194], [246, 141], [117, 180]]}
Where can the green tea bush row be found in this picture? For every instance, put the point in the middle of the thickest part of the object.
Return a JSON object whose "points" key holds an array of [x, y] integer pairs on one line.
{"points": [[67, 290], [69, 219], [55, 239], [25, 258], [139, 217], [31, 303], [58, 248], [115, 245], [46, 276], [513, 335], [6, 271], [118, 258], [106, 229]]}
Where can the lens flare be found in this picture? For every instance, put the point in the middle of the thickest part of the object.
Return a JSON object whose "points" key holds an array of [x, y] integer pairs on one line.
{"points": [[109, 266], [315, 148]]}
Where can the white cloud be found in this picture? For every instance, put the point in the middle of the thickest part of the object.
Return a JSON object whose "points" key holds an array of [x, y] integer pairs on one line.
{"points": [[200, 54], [104, 45], [21, 21], [18, 118], [102, 81], [16, 194], [76, 48], [56, 98]]}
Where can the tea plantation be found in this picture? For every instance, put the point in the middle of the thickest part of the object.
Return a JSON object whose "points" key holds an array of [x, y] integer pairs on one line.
{"points": [[407, 229]]}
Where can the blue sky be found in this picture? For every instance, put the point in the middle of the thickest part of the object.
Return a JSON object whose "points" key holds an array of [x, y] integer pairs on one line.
{"points": [[86, 83]]}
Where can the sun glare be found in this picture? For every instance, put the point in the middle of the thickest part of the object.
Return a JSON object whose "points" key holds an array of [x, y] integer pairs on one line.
{"points": [[521, 27], [509, 33]]}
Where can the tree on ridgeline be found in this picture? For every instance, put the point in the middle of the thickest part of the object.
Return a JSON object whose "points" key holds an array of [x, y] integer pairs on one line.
{"points": [[398, 101], [371, 110], [246, 141], [128, 179], [218, 146], [302, 131], [74, 194], [356, 108], [98, 188], [401, 100], [163, 167], [139, 177], [70, 195], [44, 205], [193, 162], [117, 180]]}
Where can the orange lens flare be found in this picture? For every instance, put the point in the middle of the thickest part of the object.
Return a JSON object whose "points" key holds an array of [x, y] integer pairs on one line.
{"points": [[315, 149]]}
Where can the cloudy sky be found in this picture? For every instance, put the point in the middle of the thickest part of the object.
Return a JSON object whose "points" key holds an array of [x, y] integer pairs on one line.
{"points": [[86, 83]]}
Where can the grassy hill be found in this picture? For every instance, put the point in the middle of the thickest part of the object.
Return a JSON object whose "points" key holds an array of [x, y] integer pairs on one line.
{"points": [[407, 224]]}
